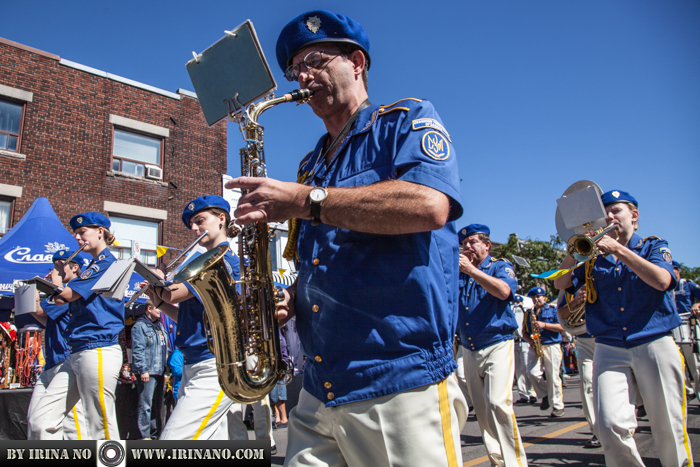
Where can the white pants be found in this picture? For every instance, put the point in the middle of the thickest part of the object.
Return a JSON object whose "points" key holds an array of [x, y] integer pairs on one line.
{"points": [[75, 424], [691, 359], [262, 418], [90, 375], [461, 378], [489, 375], [201, 407], [658, 368], [552, 364], [419, 427], [522, 380], [585, 349]]}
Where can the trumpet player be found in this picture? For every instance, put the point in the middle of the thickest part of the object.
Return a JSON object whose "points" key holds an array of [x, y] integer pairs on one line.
{"points": [[585, 349], [630, 312], [375, 299], [486, 324], [202, 406], [550, 339]]}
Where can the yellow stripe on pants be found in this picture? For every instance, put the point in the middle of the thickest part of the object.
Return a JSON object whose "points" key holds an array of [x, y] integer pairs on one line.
{"points": [[447, 424], [211, 412], [101, 390], [77, 425]]}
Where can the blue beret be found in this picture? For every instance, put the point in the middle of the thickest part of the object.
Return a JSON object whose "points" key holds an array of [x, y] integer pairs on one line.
{"points": [[676, 264], [319, 26], [518, 299], [472, 229], [617, 196], [64, 254], [90, 219], [203, 202], [536, 291]]}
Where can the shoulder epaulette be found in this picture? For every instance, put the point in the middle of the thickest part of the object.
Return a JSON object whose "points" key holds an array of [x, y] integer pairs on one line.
{"points": [[652, 236], [385, 109], [501, 259]]}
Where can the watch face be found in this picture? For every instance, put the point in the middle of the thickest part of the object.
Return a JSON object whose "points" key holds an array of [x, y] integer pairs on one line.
{"points": [[317, 195]]}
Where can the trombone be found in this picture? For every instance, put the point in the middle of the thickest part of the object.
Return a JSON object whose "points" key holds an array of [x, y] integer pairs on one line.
{"points": [[583, 248], [168, 268]]}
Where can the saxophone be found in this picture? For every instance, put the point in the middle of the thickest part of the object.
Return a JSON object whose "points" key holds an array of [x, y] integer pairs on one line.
{"points": [[242, 331], [532, 329]]}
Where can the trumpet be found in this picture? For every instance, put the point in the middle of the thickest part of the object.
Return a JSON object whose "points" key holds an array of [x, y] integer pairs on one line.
{"points": [[168, 268], [583, 248]]}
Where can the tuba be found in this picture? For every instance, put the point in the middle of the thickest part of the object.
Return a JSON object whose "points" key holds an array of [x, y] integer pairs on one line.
{"points": [[242, 330]]}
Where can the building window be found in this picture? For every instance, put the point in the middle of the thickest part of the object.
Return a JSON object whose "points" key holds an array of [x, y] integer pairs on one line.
{"points": [[133, 151], [127, 231], [5, 216], [10, 125]]}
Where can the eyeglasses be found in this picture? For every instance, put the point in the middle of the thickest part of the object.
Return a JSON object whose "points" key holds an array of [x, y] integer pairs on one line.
{"points": [[312, 60]]}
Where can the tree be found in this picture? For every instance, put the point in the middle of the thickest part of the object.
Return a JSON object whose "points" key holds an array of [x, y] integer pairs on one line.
{"points": [[541, 255], [689, 273]]}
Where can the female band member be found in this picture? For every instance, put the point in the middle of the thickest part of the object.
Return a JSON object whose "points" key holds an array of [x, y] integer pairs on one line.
{"points": [[53, 314], [201, 406], [630, 313], [90, 372]]}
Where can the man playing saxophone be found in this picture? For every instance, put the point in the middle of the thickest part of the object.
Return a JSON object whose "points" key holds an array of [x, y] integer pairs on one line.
{"points": [[550, 339], [486, 324], [377, 289]]}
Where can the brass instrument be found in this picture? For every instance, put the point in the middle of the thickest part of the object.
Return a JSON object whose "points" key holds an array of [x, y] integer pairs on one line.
{"points": [[577, 316], [532, 329], [243, 331], [583, 248], [168, 268]]}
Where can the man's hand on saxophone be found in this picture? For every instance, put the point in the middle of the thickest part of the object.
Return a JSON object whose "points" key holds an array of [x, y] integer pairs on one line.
{"points": [[270, 200]]}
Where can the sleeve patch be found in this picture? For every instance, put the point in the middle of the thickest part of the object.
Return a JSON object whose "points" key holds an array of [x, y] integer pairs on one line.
{"points": [[87, 274], [666, 254], [510, 273], [435, 146], [431, 123]]}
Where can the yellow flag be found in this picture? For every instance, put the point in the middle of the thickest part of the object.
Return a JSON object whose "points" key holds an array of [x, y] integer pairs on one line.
{"points": [[282, 271], [161, 250], [115, 243]]}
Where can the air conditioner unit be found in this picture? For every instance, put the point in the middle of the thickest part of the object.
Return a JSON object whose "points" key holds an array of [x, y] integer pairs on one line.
{"points": [[154, 172]]}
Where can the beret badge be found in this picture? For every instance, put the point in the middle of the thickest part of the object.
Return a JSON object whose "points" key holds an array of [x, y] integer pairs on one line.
{"points": [[314, 24], [191, 207], [616, 194], [79, 220], [62, 252]]}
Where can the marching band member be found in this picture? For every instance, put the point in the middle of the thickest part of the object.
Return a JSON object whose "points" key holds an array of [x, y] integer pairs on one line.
{"points": [[685, 294], [378, 284], [585, 349], [521, 355], [202, 406], [486, 324], [550, 338], [90, 372], [54, 316], [630, 313]]}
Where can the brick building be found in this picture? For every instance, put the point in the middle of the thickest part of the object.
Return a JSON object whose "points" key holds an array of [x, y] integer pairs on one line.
{"points": [[91, 141]]}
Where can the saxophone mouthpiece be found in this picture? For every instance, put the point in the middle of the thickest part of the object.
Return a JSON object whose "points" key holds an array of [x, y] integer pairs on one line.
{"points": [[299, 95]]}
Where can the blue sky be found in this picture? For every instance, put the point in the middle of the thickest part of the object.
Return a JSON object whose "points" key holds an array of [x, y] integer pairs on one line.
{"points": [[536, 95]]}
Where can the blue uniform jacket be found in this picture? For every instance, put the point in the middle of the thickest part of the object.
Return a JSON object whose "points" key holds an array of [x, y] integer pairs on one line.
{"points": [[95, 321], [684, 293], [56, 349], [628, 311], [376, 314], [548, 314], [485, 320], [191, 337]]}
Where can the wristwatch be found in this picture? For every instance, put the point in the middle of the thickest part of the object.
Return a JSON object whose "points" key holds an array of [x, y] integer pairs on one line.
{"points": [[317, 196]]}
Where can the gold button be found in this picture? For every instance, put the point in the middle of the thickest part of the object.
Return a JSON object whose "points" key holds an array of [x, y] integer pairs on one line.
{"points": [[318, 358], [331, 396], [622, 309], [316, 261], [624, 329], [619, 289], [617, 269], [70, 314], [467, 324], [469, 338], [67, 329], [315, 308], [178, 333], [466, 308], [327, 385]]}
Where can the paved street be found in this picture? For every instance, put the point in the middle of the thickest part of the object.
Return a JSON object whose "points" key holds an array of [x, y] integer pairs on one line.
{"points": [[550, 441]]}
